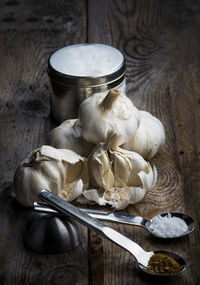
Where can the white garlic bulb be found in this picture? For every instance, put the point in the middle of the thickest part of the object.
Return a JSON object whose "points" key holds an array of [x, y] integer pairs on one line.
{"points": [[68, 136], [103, 112], [120, 197], [130, 176], [149, 137], [61, 171]]}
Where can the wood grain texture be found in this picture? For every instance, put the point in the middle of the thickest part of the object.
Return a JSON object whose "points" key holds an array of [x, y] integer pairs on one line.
{"points": [[161, 42], [29, 32]]}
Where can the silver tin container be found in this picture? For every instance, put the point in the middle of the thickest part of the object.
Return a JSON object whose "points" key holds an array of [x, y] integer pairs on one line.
{"points": [[78, 71]]}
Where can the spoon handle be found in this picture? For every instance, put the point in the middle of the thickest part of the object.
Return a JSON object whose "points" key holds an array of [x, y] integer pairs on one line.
{"points": [[117, 217], [83, 218], [101, 215], [67, 208]]}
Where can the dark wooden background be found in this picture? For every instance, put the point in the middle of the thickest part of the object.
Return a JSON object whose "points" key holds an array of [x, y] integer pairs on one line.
{"points": [[161, 41]]}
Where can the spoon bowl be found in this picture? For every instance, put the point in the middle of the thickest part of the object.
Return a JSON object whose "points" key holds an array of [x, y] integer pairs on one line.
{"points": [[176, 257], [137, 251], [187, 219]]}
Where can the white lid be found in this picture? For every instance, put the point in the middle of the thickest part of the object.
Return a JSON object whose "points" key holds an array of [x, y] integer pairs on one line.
{"points": [[87, 60]]}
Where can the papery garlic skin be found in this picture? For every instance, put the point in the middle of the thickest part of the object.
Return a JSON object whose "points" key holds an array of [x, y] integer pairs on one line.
{"points": [[149, 137], [61, 171], [104, 112], [135, 173], [126, 166], [72, 190], [68, 136], [116, 197], [148, 181], [132, 176], [100, 168], [120, 197]]}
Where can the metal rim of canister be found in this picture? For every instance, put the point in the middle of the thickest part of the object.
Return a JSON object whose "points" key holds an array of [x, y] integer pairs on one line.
{"points": [[86, 81]]}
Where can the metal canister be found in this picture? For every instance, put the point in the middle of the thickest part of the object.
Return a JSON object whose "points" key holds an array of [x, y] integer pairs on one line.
{"points": [[78, 71]]}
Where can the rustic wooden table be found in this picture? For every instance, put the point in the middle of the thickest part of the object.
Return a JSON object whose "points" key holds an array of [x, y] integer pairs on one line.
{"points": [[161, 41]]}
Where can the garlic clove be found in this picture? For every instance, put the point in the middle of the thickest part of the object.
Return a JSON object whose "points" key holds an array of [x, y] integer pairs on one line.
{"points": [[149, 137], [132, 170], [126, 166], [101, 174], [121, 169], [77, 166], [72, 190], [121, 197], [137, 194], [103, 112], [148, 180], [68, 136], [133, 176]]}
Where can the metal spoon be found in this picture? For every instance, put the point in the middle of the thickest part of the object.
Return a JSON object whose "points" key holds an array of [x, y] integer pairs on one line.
{"points": [[138, 252], [126, 219]]}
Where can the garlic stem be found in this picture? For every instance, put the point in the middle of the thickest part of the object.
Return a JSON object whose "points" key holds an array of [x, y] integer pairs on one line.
{"points": [[102, 112], [110, 99]]}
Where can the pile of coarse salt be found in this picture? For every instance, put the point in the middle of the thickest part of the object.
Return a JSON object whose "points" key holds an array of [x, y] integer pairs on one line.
{"points": [[168, 226]]}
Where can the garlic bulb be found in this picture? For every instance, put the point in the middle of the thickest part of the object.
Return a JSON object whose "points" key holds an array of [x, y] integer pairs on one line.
{"points": [[103, 112], [120, 197], [149, 137], [68, 136], [61, 171], [130, 176]]}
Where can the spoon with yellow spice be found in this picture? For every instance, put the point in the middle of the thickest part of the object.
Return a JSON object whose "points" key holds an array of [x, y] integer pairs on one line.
{"points": [[159, 263]]}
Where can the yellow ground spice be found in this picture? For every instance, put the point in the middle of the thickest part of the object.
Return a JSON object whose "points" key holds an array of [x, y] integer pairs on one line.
{"points": [[162, 264]]}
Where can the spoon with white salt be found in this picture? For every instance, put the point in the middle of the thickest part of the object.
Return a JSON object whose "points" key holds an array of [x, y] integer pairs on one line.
{"points": [[143, 257], [166, 225]]}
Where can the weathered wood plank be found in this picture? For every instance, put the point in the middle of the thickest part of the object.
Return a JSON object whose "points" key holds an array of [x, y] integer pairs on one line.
{"points": [[161, 43], [29, 32]]}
